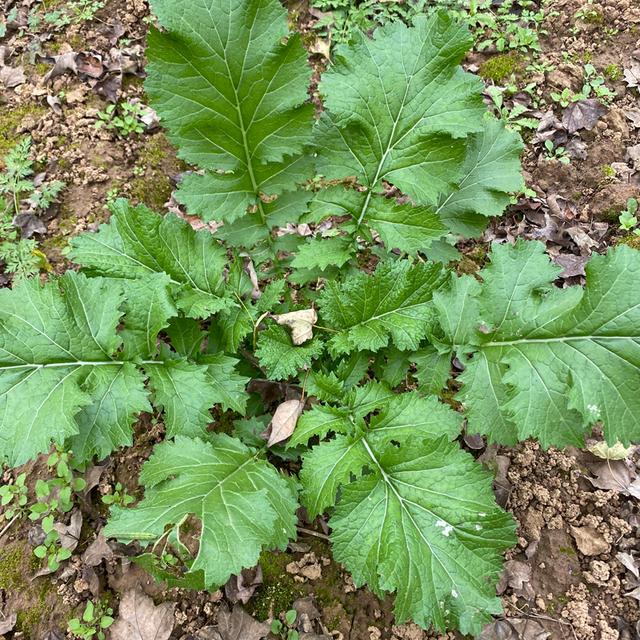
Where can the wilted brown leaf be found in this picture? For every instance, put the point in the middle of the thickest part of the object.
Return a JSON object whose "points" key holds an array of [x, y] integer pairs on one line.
{"points": [[140, 619], [300, 322], [284, 421]]}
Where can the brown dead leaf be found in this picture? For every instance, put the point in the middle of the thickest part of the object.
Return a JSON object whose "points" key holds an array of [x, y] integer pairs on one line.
{"points": [[516, 629], [240, 588], [632, 74], [7, 623], [629, 562], [589, 541], [236, 625], [614, 475], [97, 551], [300, 322], [70, 533], [517, 576], [583, 114], [140, 619], [64, 63], [11, 77], [284, 421]]}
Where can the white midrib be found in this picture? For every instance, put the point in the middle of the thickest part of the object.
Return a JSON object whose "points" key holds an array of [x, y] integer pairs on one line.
{"points": [[385, 155], [509, 343], [76, 363], [389, 483]]}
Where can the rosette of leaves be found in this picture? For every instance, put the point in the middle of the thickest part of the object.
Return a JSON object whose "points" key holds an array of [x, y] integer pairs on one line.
{"points": [[402, 118], [413, 514], [229, 82]]}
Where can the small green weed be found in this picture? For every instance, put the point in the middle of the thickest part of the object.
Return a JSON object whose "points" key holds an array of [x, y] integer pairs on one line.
{"points": [[119, 497], [124, 118], [18, 194], [96, 618], [284, 628], [551, 152], [628, 219]]}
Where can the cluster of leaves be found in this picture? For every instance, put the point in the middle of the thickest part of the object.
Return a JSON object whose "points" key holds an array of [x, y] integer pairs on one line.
{"points": [[124, 119], [164, 318], [18, 192], [95, 620]]}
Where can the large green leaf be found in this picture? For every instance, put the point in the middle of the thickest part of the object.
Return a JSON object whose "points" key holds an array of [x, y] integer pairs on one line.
{"points": [[138, 242], [424, 523], [367, 311], [64, 376], [242, 503], [400, 110], [414, 514], [543, 361], [229, 81], [390, 417]]}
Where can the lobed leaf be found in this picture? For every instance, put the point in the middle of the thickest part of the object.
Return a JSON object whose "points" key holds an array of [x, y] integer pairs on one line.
{"points": [[241, 502], [229, 82]]}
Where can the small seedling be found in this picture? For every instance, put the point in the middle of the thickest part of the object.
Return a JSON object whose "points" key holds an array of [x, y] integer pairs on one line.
{"points": [[551, 152], [124, 118], [18, 193], [119, 497], [14, 498], [284, 629], [51, 548], [628, 219], [513, 117], [96, 618]]}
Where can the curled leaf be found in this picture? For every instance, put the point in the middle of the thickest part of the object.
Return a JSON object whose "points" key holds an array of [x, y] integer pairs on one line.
{"points": [[300, 322]]}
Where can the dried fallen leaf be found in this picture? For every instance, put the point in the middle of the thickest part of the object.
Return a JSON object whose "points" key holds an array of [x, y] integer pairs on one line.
{"points": [[70, 533], [240, 588], [140, 619], [633, 115], [64, 63], [7, 624], [616, 452], [515, 629], [589, 541], [284, 421], [11, 77], [517, 576], [582, 114], [614, 475], [97, 551], [300, 322], [632, 75], [629, 562], [238, 625]]}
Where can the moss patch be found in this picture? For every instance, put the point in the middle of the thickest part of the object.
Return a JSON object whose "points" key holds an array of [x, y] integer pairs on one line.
{"points": [[10, 119], [631, 240], [278, 590], [11, 568], [500, 67], [157, 161]]}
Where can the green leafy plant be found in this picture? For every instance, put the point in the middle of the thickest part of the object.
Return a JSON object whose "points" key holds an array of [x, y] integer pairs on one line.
{"points": [[51, 548], [164, 318], [18, 194], [119, 496], [124, 118], [283, 628], [96, 619], [14, 498], [72, 12], [628, 219], [514, 117], [553, 152]]}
